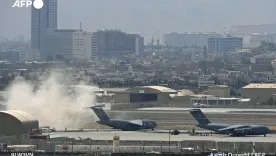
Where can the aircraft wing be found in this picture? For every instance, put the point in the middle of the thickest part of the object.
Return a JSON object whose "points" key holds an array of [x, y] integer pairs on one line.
{"points": [[233, 127], [136, 122]]}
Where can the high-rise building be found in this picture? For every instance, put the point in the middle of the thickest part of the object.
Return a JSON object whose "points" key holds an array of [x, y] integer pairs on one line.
{"points": [[224, 44], [116, 42], [42, 20], [71, 44]]}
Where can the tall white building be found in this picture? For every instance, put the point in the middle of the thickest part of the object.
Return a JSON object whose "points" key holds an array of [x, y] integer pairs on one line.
{"points": [[71, 44], [84, 46], [42, 20]]}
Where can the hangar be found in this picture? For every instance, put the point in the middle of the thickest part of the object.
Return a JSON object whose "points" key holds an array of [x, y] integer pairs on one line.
{"points": [[15, 122], [145, 95], [259, 94]]}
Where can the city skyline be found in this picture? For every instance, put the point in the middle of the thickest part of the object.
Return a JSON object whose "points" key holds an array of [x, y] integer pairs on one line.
{"points": [[147, 18]]}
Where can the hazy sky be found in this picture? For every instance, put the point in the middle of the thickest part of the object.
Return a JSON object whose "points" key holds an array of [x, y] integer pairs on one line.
{"points": [[148, 17]]}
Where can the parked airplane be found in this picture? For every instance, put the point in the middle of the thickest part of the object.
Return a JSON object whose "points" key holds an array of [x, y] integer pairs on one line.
{"points": [[125, 125], [232, 130], [199, 105]]}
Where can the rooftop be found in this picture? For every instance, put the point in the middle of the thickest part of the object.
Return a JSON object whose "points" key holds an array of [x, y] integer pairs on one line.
{"points": [[67, 30], [260, 85], [219, 86], [20, 115], [160, 88], [156, 88]]}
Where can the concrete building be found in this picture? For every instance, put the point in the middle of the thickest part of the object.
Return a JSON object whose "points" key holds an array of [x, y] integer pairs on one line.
{"points": [[146, 94], [256, 39], [143, 96], [71, 44], [60, 43], [84, 46], [160, 96], [42, 20], [203, 83], [265, 58], [12, 56], [260, 68], [188, 39], [27, 54], [258, 93], [15, 122], [273, 64], [116, 43], [216, 101], [224, 44], [219, 91]]}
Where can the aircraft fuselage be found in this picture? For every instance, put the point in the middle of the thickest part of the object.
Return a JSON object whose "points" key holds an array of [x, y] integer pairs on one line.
{"points": [[127, 126], [249, 130]]}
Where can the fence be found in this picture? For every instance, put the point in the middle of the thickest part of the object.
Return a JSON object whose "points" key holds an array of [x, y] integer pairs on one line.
{"points": [[136, 146]]}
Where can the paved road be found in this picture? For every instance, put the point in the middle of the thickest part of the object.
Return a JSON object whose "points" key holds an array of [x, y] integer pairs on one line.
{"points": [[161, 136]]}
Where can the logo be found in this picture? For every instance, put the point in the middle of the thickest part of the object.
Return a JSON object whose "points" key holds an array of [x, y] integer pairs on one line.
{"points": [[22, 154], [38, 4], [241, 154]]}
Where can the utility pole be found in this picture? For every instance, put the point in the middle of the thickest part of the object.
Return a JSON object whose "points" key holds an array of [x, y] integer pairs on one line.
{"points": [[205, 60], [80, 26], [158, 43], [169, 141], [161, 146], [152, 43]]}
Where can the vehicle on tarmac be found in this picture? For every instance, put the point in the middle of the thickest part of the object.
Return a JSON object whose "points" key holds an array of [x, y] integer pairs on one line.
{"points": [[175, 132], [199, 105]]}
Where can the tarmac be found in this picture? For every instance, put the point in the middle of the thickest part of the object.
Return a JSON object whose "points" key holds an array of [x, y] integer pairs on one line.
{"points": [[212, 110], [260, 122], [153, 136]]}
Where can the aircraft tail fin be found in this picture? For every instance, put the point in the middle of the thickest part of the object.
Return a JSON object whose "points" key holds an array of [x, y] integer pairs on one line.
{"points": [[100, 113], [199, 116]]}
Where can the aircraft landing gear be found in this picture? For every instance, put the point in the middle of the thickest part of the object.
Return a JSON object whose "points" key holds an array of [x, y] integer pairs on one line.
{"points": [[152, 129], [264, 135]]}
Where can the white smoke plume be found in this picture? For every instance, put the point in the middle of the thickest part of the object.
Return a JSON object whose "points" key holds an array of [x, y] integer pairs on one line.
{"points": [[50, 103]]}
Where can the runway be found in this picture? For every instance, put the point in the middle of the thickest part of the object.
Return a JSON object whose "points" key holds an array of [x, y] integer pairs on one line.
{"points": [[151, 136], [211, 110], [232, 122], [178, 117]]}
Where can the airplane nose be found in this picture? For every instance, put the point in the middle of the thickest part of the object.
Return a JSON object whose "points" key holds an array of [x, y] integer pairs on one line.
{"points": [[268, 130], [154, 124]]}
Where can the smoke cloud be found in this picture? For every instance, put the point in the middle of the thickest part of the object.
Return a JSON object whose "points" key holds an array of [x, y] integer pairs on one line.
{"points": [[52, 104]]}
